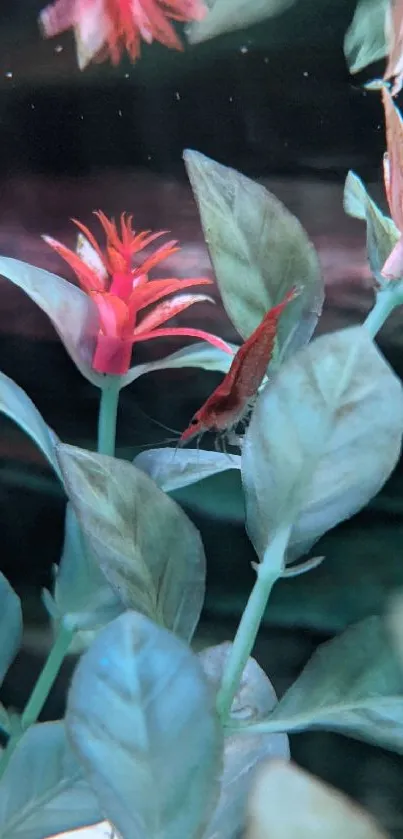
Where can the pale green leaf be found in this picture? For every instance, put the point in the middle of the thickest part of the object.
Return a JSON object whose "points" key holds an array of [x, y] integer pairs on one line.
{"points": [[71, 312], [352, 685], [288, 802], [10, 625], [382, 233], [43, 790], [82, 595], [259, 252], [323, 439], [226, 16], [172, 469], [17, 405], [365, 40], [149, 739], [243, 753], [148, 549], [201, 355]]}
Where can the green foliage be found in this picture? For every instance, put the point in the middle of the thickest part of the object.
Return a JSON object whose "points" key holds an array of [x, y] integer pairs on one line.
{"points": [[149, 740], [147, 548], [43, 790]]}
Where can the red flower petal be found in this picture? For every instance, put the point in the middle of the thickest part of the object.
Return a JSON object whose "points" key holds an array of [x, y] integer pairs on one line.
{"points": [[162, 30], [113, 314], [168, 309], [188, 333], [156, 289], [87, 278]]}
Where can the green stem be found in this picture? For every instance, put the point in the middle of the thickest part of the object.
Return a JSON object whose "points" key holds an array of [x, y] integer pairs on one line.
{"points": [[108, 410], [386, 301], [268, 572], [40, 692]]}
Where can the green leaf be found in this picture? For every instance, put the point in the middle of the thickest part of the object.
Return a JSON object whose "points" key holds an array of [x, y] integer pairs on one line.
{"points": [[43, 790], [149, 739], [172, 469], [365, 40], [226, 16], [288, 802], [82, 593], [201, 355], [10, 625], [17, 405], [259, 252], [352, 685], [71, 312], [382, 233], [323, 439], [148, 549], [243, 754]]}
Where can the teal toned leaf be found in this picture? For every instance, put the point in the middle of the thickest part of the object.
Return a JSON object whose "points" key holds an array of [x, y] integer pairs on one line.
{"points": [[243, 753], [323, 439], [146, 546], [353, 685], [226, 16], [10, 625], [202, 355], [259, 252], [172, 469], [288, 802], [71, 312], [81, 592], [5, 724], [365, 40], [43, 790], [17, 405], [382, 233], [149, 739]]}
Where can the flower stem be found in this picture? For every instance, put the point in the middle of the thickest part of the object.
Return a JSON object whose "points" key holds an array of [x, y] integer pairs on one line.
{"points": [[386, 300], [40, 692], [268, 572], [108, 410]]}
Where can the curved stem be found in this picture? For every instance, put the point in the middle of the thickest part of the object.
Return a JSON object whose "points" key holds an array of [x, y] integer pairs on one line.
{"points": [[385, 303], [108, 410], [268, 572], [40, 692]]}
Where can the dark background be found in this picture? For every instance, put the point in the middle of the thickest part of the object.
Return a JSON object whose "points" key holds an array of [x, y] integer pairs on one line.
{"points": [[277, 102]]}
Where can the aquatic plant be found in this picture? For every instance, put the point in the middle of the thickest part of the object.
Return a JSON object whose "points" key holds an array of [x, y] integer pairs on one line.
{"points": [[160, 741]]}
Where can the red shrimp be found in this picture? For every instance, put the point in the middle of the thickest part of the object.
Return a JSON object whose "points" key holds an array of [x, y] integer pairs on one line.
{"points": [[230, 401]]}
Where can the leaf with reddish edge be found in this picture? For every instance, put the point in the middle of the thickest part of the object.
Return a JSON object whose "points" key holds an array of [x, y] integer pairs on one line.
{"points": [[71, 312]]}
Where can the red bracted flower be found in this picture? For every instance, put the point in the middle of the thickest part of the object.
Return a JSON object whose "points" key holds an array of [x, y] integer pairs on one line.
{"points": [[393, 179], [108, 28], [121, 291]]}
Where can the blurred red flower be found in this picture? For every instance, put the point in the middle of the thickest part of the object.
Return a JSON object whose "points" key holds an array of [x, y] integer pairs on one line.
{"points": [[107, 28]]}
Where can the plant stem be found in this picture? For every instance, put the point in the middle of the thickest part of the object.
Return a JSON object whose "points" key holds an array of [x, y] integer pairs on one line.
{"points": [[108, 410], [386, 300], [268, 572], [40, 692]]}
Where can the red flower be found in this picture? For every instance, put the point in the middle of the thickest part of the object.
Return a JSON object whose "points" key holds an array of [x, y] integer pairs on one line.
{"points": [[393, 180], [106, 28], [121, 292]]}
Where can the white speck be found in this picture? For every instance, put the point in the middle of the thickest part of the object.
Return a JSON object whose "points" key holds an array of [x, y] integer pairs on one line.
{"points": [[32, 106], [266, 60], [59, 48], [9, 74], [127, 76], [378, 127], [243, 50], [305, 73], [177, 96], [149, 157], [231, 99], [120, 112], [81, 116]]}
